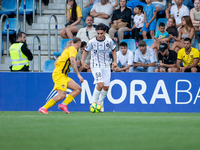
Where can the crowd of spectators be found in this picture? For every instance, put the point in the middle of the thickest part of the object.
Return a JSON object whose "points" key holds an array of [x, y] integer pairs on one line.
{"points": [[140, 23]]}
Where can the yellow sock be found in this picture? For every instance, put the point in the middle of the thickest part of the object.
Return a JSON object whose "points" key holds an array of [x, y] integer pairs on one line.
{"points": [[49, 104], [68, 100]]}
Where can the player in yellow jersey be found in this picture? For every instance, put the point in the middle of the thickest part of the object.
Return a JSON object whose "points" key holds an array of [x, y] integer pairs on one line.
{"points": [[61, 79], [190, 58]]}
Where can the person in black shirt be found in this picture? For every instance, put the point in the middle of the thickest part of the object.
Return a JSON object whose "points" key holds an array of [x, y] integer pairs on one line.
{"points": [[121, 21], [166, 58]]}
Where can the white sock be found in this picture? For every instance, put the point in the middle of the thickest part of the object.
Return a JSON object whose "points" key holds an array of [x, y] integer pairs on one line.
{"points": [[96, 94], [102, 95]]}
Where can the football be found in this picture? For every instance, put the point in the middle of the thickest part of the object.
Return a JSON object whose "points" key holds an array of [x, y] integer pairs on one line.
{"points": [[95, 107]]}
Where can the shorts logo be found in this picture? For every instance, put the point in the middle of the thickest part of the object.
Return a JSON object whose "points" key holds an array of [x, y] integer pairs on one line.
{"points": [[63, 86]]}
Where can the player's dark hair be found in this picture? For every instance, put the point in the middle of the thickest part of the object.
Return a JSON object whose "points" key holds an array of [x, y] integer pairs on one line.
{"points": [[123, 44], [83, 44], [76, 40], [187, 39], [162, 24], [140, 7], [100, 26], [19, 34]]}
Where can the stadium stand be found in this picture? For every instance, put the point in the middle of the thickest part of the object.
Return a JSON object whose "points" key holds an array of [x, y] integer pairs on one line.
{"points": [[196, 44], [149, 42], [8, 7], [12, 26], [61, 47], [49, 66], [131, 44], [164, 20], [29, 7]]}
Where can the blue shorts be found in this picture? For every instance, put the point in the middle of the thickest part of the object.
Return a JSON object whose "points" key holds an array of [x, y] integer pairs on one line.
{"points": [[162, 7], [151, 27]]}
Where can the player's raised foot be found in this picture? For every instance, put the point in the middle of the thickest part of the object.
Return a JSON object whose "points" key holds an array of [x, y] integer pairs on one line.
{"points": [[43, 111], [63, 108]]}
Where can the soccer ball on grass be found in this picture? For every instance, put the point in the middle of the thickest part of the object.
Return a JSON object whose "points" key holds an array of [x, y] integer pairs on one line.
{"points": [[95, 107]]}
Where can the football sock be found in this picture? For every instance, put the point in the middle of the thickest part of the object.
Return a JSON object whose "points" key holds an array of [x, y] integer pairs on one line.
{"points": [[49, 104], [68, 100], [96, 94], [102, 95]]}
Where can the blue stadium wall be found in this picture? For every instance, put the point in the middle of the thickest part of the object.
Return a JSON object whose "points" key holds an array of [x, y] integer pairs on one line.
{"points": [[129, 92]]}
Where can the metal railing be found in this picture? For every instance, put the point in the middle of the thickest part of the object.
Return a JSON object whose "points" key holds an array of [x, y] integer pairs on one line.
{"points": [[33, 11], [49, 37], [39, 54], [65, 12], [40, 7], [17, 16], [24, 20], [4, 15]]}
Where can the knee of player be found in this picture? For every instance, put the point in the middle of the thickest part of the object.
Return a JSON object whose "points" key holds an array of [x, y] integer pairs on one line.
{"points": [[62, 96]]}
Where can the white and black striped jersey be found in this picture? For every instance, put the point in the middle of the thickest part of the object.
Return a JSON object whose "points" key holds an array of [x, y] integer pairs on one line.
{"points": [[100, 52]]}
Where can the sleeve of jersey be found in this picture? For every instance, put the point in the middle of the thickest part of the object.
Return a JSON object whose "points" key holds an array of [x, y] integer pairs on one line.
{"points": [[196, 53], [180, 55], [112, 45], [72, 52], [89, 46], [79, 12]]}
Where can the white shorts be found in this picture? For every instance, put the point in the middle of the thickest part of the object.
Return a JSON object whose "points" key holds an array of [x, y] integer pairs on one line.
{"points": [[101, 75]]}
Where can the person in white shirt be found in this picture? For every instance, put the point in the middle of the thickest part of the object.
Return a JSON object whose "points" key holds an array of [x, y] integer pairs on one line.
{"points": [[178, 11], [87, 33], [159, 4], [145, 58], [86, 10], [114, 3], [124, 57], [100, 62], [102, 13]]}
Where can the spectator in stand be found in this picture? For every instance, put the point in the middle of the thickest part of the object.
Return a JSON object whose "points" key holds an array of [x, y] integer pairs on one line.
{"points": [[166, 58], [20, 54], [86, 10], [186, 31], [138, 23], [189, 4], [102, 13], [74, 15], [145, 58], [178, 11], [167, 11], [160, 35], [190, 58], [124, 57], [195, 15], [121, 21], [171, 29], [149, 19], [159, 4], [114, 3], [79, 58], [87, 33]]}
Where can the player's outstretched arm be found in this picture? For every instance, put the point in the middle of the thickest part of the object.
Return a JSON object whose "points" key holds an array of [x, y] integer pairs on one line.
{"points": [[74, 66], [114, 64]]}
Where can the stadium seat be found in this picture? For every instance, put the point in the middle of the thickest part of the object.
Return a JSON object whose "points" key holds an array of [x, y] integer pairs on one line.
{"points": [[61, 47], [48, 66], [196, 44], [12, 26], [149, 42], [164, 20], [131, 44], [29, 7], [8, 7]]}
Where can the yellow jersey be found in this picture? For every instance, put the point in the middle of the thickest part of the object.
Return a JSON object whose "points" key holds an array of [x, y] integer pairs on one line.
{"points": [[63, 64], [78, 12], [187, 59]]}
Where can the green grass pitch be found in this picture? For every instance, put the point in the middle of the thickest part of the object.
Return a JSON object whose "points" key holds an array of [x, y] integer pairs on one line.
{"points": [[101, 131]]}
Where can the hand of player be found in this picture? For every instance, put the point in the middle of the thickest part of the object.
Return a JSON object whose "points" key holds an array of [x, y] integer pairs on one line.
{"points": [[114, 64], [80, 78]]}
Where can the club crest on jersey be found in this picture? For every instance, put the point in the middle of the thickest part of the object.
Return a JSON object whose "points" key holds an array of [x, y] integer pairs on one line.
{"points": [[63, 86], [107, 44]]}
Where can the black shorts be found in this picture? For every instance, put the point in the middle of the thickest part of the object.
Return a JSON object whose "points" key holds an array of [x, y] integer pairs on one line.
{"points": [[189, 70]]}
